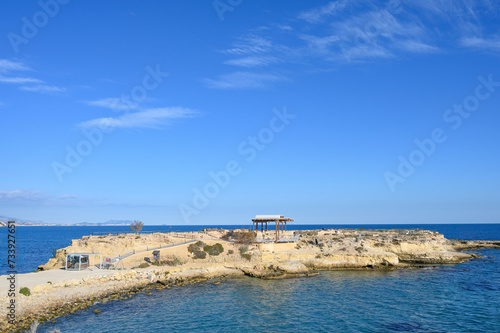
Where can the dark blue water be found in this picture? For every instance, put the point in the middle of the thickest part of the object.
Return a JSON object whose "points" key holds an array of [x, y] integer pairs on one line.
{"points": [[35, 245], [453, 298], [457, 298]]}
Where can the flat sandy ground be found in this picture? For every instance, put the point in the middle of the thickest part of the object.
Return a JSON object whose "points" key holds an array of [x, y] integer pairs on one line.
{"points": [[31, 280]]}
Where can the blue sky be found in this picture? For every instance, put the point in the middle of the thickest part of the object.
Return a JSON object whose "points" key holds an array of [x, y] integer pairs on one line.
{"points": [[212, 112]]}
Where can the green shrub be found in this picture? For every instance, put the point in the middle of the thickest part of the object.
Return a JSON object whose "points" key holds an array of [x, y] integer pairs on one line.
{"points": [[243, 254], [214, 250], [230, 251], [25, 291], [192, 248], [198, 254], [243, 249], [200, 244], [197, 249], [144, 265], [172, 261]]}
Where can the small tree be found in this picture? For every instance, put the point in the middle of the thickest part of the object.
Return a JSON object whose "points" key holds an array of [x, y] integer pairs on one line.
{"points": [[136, 226]]}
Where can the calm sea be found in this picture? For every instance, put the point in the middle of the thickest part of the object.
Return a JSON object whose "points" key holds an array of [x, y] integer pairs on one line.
{"points": [[453, 298]]}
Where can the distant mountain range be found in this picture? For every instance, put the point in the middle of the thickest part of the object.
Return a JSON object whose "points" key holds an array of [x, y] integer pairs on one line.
{"points": [[108, 223], [21, 222]]}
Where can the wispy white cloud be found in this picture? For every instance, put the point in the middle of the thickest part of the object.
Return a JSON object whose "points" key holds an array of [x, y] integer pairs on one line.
{"points": [[492, 44], [452, 20], [239, 80], [43, 88], [150, 118], [67, 196], [25, 195], [19, 80], [285, 27], [318, 14], [114, 103], [344, 31], [251, 44], [10, 66], [319, 45], [10, 76], [363, 52], [30, 197], [418, 47], [252, 61]]}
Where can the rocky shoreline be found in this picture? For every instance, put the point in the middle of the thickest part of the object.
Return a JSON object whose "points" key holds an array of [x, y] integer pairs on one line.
{"points": [[316, 250]]}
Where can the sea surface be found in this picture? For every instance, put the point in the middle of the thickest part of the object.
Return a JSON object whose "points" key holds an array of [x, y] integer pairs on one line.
{"points": [[452, 298]]}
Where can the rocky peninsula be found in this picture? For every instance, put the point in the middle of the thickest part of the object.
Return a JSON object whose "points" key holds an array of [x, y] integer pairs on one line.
{"points": [[215, 254]]}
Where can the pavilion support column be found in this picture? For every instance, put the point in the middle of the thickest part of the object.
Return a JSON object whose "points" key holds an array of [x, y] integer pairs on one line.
{"points": [[277, 231]]}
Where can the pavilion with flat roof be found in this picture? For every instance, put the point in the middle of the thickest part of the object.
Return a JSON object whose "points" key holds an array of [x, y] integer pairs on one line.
{"points": [[279, 221]]}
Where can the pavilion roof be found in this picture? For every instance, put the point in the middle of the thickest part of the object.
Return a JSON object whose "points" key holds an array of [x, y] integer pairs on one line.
{"points": [[271, 218]]}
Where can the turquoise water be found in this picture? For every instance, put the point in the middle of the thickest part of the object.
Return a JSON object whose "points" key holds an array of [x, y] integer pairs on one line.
{"points": [[452, 298], [456, 298]]}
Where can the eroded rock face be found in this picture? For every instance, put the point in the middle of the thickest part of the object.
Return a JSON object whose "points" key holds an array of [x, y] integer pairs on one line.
{"points": [[378, 248], [292, 267], [109, 246]]}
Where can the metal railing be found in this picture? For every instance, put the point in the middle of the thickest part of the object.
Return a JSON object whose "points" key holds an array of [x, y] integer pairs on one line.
{"points": [[126, 232], [282, 239], [116, 260]]}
